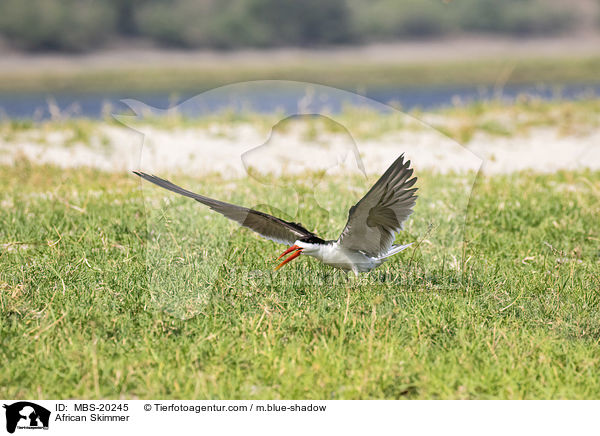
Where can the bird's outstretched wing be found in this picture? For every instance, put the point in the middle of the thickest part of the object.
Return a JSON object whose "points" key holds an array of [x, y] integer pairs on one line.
{"points": [[374, 221], [267, 226]]}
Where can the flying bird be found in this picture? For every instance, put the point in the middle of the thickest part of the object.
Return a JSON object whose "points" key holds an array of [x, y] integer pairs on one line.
{"points": [[367, 240]]}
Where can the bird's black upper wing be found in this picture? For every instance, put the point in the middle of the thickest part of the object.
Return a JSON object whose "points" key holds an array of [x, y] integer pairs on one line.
{"points": [[267, 226], [374, 221]]}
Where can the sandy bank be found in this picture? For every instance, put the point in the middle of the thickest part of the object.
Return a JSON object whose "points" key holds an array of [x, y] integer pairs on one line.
{"points": [[233, 151]]}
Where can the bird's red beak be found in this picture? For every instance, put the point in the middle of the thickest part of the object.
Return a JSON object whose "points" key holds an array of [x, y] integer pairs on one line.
{"points": [[292, 257]]}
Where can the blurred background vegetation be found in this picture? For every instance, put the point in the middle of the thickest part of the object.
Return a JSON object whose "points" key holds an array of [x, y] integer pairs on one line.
{"points": [[82, 25]]}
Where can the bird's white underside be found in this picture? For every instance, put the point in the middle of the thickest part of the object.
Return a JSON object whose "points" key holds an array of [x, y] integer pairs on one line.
{"points": [[333, 254]]}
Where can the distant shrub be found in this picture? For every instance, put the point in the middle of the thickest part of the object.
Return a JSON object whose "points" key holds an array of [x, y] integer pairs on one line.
{"points": [[176, 22], [72, 25], [79, 25], [307, 22], [519, 17], [231, 23], [390, 19]]}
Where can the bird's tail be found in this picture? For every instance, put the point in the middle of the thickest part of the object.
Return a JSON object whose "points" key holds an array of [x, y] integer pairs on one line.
{"points": [[394, 250]]}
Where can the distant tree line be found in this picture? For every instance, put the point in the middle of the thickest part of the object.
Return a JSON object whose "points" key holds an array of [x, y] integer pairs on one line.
{"points": [[80, 25]]}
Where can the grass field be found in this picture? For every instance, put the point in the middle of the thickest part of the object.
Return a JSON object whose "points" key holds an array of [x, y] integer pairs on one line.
{"points": [[109, 291], [461, 122], [347, 74]]}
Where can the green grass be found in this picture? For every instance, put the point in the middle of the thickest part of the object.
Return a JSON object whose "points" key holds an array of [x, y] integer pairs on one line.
{"points": [[349, 75], [494, 118], [107, 291]]}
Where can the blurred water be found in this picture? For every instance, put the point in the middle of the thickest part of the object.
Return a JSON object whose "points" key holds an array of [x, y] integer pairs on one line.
{"points": [[39, 106]]}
